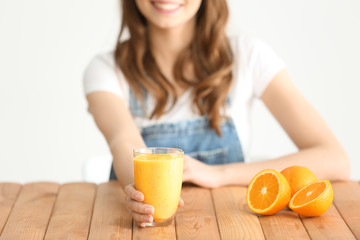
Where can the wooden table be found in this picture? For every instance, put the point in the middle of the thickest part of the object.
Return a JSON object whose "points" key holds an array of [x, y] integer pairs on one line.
{"points": [[87, 211]]}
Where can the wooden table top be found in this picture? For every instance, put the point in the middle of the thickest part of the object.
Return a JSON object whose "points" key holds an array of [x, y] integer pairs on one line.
{"points": [[81, 210]]}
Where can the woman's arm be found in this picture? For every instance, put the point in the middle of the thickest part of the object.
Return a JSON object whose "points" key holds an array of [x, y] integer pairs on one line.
{"points": [[116, 124], [319, 150]]}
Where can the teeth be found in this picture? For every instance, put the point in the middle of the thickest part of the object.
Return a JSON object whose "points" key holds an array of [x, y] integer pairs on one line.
{"points": [[166, 6]]}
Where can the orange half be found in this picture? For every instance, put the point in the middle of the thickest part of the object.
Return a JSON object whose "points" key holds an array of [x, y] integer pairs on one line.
{"points": [[268, 192], [313, 199]]}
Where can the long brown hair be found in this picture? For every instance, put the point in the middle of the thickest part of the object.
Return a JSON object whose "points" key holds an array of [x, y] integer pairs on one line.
{"points": [[209, 53]]}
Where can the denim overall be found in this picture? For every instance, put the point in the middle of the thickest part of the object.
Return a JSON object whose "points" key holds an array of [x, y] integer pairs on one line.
{"points": [[194, 136]]}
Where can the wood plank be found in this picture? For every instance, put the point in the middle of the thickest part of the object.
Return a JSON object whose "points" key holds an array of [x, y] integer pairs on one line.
{"points": [[154, 233], [196, 220], [8, 195], [330, 225], [111, 219], [235, 219], [31, 212], [72, 212], [284, 225], [347, 202]]}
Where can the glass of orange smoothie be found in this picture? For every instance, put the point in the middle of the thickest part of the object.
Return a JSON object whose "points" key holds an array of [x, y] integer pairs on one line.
{"points": [[158, 175]]}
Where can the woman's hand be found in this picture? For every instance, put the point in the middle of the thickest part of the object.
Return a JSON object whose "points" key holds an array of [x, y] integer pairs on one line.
{"points": [[140, 212], [200, 173]]}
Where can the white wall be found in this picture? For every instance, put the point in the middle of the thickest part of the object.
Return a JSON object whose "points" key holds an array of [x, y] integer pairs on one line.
{"points": [[320, 42], [45, 131]]}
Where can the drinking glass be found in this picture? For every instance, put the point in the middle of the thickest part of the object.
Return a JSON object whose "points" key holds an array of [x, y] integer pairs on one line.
{"points": [[158, 175]]}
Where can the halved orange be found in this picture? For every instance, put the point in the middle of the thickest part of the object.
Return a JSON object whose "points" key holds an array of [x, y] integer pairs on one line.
{"points": [[313, 199], [298, 177], [268, 192]]}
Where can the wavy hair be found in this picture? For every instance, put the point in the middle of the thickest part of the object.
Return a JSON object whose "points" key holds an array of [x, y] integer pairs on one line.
{"points": [[209, 53]]}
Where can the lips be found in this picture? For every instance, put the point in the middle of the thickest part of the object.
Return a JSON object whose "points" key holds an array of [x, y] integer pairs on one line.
{"points": [[166, 7]]}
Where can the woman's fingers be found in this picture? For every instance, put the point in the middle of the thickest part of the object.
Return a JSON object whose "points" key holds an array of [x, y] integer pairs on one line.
{"points": [[181, 203], [134, 194], [141, 218], [139, 211], [139, 207]]}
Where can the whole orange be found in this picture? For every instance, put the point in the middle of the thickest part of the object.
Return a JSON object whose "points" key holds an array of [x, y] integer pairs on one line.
{"points": [[298, 177]]}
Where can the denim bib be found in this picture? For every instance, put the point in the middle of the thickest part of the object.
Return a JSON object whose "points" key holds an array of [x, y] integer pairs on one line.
{"points": [[193, 136]]}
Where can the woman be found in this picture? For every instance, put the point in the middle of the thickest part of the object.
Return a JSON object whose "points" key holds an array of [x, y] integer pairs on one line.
{"points": [[178, 81]]}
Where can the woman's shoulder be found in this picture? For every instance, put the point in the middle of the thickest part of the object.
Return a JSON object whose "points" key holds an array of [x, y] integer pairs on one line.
{"points": [[102, 74], [246, 44], [256, 60], [102, 60]]}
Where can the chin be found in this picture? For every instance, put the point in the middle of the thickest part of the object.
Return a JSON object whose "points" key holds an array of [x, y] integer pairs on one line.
{"points": [[165, 24]]}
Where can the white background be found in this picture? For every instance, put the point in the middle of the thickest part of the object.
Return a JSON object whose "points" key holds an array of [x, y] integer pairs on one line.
{"points": [[46, 132]]}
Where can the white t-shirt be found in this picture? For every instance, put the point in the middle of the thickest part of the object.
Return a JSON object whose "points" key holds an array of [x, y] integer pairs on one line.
{"points": [[255, 65]]}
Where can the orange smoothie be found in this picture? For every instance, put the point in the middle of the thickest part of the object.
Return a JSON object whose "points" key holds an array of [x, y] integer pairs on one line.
{"points": [[159, 178]]}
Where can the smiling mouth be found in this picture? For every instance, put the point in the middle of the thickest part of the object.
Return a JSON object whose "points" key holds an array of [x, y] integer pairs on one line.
{"points": [[166, 7]]}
